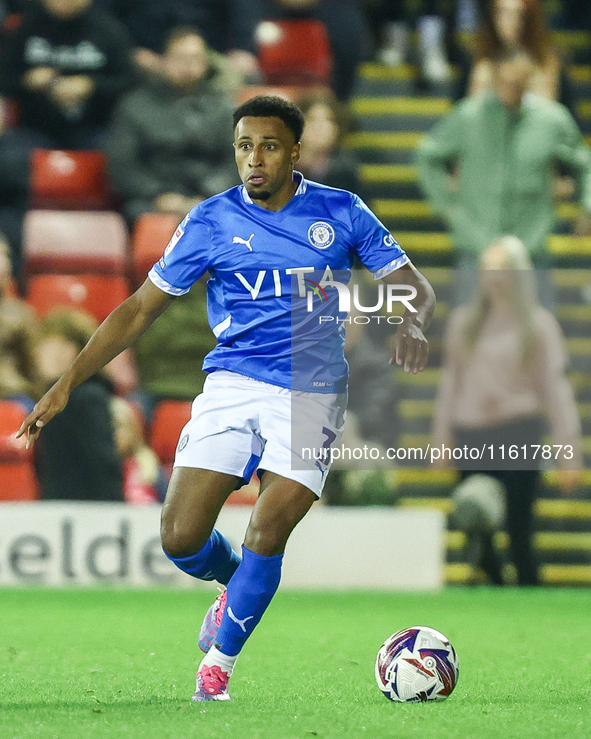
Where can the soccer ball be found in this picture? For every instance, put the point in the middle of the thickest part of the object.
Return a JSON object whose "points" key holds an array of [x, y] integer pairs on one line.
{"points": [[417, 664]]}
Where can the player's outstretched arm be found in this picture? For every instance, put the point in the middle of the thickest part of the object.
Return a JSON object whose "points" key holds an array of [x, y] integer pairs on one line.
{"points": [[118, 331], [410, 347]]}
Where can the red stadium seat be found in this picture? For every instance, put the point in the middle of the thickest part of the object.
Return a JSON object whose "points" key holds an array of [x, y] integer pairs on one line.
{"points": [[74, 241], [69, 180], [167, 423], [151, 234], [96, 294], [12, 22], [12, 414], [17, 477], [18, 482], [294, 52]]}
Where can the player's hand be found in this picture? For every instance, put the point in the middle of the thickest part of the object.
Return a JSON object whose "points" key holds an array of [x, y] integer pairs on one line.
{"points": [[68, 92], [411, 348], [148, 60], [50, 405], [39, 78]]}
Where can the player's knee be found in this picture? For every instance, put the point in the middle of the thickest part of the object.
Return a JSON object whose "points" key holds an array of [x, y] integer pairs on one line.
{"points": [[264, 541], [179, 541]]}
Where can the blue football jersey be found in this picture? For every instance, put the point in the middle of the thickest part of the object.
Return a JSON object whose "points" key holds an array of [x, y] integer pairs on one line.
{"points": [[264, 267]]}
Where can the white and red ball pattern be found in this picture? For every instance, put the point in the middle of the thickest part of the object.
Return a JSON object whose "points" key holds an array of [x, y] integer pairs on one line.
{"points": [[417, 664]]}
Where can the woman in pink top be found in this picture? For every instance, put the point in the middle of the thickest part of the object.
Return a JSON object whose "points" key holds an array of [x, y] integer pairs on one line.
{"points": [[503, 381]]}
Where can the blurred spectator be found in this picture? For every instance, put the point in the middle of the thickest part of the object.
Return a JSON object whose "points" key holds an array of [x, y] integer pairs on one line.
{"points": [[322, 158], [19, 378], [77, 458], [122, 373], [505, 150], [65, 65], [171, 141], [509, 26], [503, 377], [171, 352], [346, 27], [142, 476], [227, 27], [393, 23]]}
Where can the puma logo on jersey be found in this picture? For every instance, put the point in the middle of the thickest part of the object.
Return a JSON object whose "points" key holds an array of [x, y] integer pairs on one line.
{"points": [[246, 242], [239, 621]]}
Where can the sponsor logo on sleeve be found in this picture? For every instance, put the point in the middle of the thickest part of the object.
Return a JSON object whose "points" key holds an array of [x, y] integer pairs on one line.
{"points": [[173, 241]]}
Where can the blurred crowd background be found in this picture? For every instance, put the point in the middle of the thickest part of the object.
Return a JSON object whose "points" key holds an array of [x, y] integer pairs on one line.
{"points": [[462, 123]]}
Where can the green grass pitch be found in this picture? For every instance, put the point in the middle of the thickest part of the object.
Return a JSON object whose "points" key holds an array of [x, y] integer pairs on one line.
{"points": [[111, 663]]}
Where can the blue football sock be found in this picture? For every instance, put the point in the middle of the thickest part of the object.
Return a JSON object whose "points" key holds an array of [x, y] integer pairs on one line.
{"points": [[249, 593], [216, 560]]}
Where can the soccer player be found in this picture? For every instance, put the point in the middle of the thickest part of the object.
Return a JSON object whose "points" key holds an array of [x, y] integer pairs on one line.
{"points": [[258, 241]]}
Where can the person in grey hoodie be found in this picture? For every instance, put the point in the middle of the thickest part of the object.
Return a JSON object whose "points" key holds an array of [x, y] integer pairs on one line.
{"points": [[169, 147]]}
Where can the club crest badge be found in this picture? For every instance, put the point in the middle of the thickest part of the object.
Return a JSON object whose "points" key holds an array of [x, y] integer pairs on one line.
{"points": [[321, 234], [183, 442]]}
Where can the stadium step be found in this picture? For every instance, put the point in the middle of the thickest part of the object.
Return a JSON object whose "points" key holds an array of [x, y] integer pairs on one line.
{"points": [[554, 547], [551, 508], [574, 249], [387, 113], [420, 108], [389, 173], [461, 573], [572, 40], [363, 140], [396, 212], [379, 80]]}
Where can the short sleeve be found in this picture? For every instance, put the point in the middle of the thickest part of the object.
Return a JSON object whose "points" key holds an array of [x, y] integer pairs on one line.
{"points": [[186, 257], [377, 249]]}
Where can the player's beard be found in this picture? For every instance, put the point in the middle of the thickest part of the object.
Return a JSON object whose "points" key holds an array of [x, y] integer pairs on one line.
{"points": [[260, 195]]}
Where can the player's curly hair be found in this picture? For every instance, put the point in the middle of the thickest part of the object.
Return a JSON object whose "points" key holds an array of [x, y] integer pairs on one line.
{"points": [[266, 106]]}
